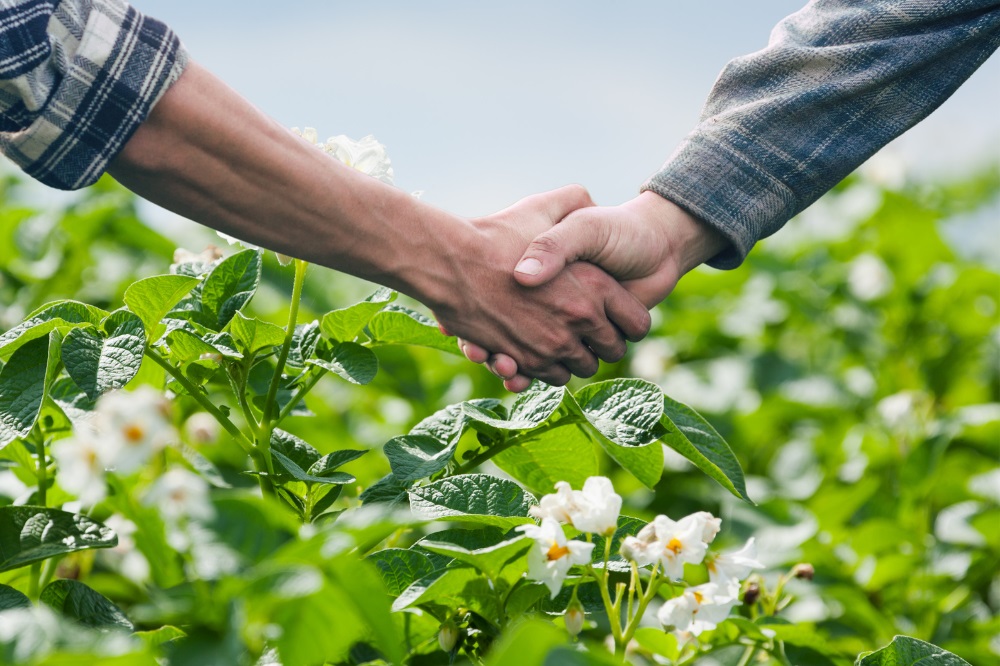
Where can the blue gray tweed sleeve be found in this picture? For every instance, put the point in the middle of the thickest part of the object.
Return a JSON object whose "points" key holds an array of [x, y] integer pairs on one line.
{"points": [[838, 80], [77, 77]]}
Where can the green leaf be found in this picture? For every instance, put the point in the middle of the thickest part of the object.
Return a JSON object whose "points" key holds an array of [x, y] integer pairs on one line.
{"points": [[251, 334], [474, 498], [350, 361], [153, 297], [332, 461], [294, 448], [625, 413], [528, 644], [388, 489], [187, 345], [103, 361], [157, 637], [229, 287], [24, 382], [52, 316], [31, 534], [415, 457], [75, 600], [400, 567], [299, 474], [693, 437], [73, 402], [658, 642], [553, 442], [906, 651], [397, 325], [304, 341], [452, 587], [359, 580], [346, 324], [490, 560], [11, 598]]}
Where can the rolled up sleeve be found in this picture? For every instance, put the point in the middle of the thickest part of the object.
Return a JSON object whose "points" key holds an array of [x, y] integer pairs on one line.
{"points": [[77, 78], [838, 80]]}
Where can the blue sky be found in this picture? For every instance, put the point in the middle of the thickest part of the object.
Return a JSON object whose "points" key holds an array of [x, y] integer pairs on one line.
{"points": [[481, 103]]}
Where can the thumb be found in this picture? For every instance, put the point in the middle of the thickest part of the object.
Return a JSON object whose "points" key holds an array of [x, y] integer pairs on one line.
{"points": [[578, 236]]}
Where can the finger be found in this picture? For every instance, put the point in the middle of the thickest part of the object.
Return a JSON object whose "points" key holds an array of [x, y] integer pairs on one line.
{"points": [[557, 204], [473, 352], [628, 314], [581, 236], [607, 343], [503, 366], [443, 330], [517, 383], [583, 363]]}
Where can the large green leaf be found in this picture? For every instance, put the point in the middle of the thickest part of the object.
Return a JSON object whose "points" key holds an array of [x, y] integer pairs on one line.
{"points": [[397, 325], [688, 433], [101, 360], [906, 651], [350, 361], [415, 457], [75, 600], [459, 586], [625, 414], [490, 560], [229, 287], [31, 533], [187, 344], [346, 324], [11, 598], [57, 315], [251, 334], [24, 382], [153, 297], [473, 498], [388, 490], [400, 567]]}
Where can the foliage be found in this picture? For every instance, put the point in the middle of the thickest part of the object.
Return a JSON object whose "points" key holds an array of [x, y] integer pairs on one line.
{"points": [[857, 377]]}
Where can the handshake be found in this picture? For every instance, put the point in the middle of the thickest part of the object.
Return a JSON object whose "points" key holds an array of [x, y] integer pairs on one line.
{"points": [[553, 284]]}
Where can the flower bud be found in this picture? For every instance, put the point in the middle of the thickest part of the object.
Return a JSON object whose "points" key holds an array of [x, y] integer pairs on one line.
{"points": [[202, 428], [211, 356], [751, 594], [448, 636], [574, 618], [803, 570]]}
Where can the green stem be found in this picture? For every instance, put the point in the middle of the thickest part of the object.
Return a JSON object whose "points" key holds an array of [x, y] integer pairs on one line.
{"points": [[266, 424], [749, 655], [631, 592], [300, 394], [644, 599], [613, 618], [41, 474], [239, 388], [513, 441], [202, 399]]}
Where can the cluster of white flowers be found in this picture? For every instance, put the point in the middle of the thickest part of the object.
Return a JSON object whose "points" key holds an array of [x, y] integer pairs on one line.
{"points": [[672, 544], [127, 429], [667, 543], [367, 155]]}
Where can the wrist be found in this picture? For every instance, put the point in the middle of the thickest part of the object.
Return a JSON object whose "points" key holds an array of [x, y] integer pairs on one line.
{"points": [[689, 241]]}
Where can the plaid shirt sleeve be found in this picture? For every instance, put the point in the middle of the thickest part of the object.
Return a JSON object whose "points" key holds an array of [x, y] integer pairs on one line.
{"points": [[77, 77], [838, 80]]}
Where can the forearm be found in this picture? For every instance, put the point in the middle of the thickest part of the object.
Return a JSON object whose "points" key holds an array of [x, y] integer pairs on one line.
{"points": [[208, 154], [838, 81]]}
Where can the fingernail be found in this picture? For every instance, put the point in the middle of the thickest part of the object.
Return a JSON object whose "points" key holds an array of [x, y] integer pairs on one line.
{"points": [[529, 266]]}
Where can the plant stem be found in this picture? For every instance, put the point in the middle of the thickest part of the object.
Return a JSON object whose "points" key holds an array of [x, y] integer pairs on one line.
{"points": [[512, 441], [202, 399], [41, 474], [300, 394], [266, 425], [633, 622], [749, 655], [613, 617]]}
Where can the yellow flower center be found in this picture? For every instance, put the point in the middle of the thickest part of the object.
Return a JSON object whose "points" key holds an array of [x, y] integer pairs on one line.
{"points": [[556, 551], [699, 597], [675, 546], [134, 433]]}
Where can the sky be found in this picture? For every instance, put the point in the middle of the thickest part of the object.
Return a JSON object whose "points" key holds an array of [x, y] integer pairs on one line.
{"points": [[480, 104]]}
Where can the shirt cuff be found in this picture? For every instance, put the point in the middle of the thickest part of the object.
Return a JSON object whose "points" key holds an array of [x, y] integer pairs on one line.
{"points": [[719, 185], [124, 63]]}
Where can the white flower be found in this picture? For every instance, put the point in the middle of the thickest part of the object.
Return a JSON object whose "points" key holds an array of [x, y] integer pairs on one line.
{"points": [[551, 557], [80, 465], [643, 548], [133, 426], [559, 506], [574, 618], [367, 156], [594, 509], [125, 557], [730, 568], [869, 278], [598, 506], [698, 609], [181, 494], [678, 543], [209, 255], [710, 525], [201, 428]]}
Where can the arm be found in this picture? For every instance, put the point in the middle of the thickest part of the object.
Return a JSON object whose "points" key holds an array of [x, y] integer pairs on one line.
{"points": [[208, 154], [838, 80]]}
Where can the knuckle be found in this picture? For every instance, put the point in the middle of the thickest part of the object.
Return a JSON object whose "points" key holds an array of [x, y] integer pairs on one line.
{"points": [[547, 243]]}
